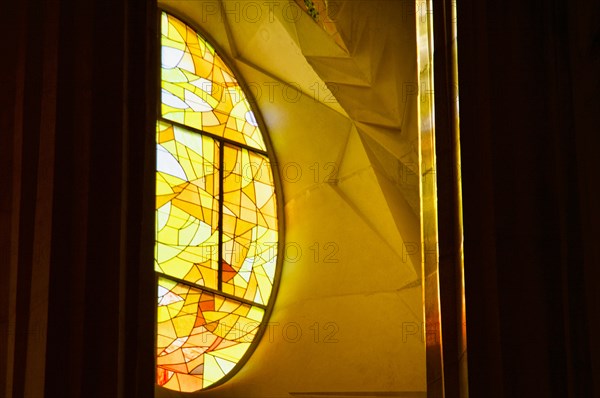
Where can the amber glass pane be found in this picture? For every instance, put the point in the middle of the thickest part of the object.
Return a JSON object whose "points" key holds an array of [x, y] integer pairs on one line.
{"points": [[201, 336]]}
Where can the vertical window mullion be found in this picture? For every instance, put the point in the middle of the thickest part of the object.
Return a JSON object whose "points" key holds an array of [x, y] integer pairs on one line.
{"points": [[221, 181]]}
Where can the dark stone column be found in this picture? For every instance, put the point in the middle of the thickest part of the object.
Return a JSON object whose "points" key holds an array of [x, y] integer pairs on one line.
{"points": [[529, 123], [449, 206], [78, 115]]}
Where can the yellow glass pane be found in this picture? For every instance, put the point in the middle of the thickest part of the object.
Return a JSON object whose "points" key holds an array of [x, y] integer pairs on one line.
{"points": [[199, 90], [187, 217], [216, 216], [249, 225]]}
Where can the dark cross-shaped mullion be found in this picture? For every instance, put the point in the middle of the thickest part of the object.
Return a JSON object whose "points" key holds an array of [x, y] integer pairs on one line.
{"points": [[221, 141], [216, 137], [208, 289]]}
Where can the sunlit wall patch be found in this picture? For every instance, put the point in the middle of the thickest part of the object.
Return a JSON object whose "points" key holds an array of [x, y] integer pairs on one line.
{"points": [[216, 216]]}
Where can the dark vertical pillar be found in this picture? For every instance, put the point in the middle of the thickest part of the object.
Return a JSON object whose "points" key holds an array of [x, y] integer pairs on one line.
{"points": [[526, 126], [478, 202], [77, 296], [8, 203], [140, 151], [449, 205], [583, 38], [15, 219]]}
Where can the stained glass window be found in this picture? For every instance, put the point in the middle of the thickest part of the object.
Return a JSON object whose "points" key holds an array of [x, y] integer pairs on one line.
{"points": [[216, 216]]}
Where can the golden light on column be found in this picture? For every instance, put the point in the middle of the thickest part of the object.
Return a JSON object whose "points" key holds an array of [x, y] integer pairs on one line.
{"points": [[428, 196]]}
